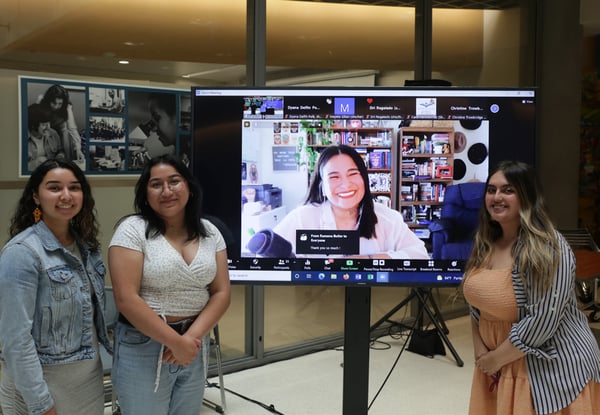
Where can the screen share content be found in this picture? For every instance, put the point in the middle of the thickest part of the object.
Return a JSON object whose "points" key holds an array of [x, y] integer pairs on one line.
{"points": [[426, 152]]}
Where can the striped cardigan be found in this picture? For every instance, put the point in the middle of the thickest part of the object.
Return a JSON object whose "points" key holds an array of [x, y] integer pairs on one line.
{"points": [[561, 352]]}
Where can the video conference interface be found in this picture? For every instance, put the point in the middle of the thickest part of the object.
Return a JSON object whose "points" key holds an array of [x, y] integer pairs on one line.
{"points": [[255, 151]]}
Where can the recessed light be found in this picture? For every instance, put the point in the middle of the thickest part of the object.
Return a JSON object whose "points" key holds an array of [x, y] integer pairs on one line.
{"points": [[124, 62]]}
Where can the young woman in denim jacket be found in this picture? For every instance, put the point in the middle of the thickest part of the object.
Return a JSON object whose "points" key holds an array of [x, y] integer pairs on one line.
{"points": [[52, 298]]}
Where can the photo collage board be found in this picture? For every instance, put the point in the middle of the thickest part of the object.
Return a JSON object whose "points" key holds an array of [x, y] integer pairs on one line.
{"points": [[106, 129]]}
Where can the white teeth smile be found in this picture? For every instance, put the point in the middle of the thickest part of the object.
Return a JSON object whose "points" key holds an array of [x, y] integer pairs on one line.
{"points": [[346, 194]]}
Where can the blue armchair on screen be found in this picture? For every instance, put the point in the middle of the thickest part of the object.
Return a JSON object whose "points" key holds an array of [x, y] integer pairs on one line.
{"points": [[452, 234]]}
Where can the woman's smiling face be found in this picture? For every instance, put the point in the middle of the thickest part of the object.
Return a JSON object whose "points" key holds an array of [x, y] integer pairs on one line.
{"points": [[342, 183], [60, 196], [501, 200]]}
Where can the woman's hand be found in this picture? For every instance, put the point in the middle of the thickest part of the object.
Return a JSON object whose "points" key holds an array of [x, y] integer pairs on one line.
{"points": [[491, 362], [488, 363], [185, 351]]}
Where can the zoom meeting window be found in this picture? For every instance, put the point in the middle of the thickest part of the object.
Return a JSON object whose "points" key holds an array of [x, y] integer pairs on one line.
{"points": [[354, 186]]}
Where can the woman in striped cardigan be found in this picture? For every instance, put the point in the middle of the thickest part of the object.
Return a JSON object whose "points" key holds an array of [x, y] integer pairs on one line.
{"points": [[534, 350]]}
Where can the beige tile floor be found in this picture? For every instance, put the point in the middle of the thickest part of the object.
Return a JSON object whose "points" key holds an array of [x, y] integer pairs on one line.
{"points": [[313, 384]]}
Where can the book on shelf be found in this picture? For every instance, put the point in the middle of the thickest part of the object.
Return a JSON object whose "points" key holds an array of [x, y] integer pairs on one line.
{"points": [[383, 138], [349, 137], [406, 193], [355, 124], [370, 123], [440, 192], [440, 143], [423, 214], [380, 159], [423, 144], [336, 138], [408, 144], [425, 192], [431, 192], [375, 139], [408, 213], [376, 160], [408, 173], [365, 140], [364, 154]]}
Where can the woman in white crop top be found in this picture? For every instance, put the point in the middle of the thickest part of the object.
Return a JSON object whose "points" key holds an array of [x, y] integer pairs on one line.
{"points": [[171, 285]]}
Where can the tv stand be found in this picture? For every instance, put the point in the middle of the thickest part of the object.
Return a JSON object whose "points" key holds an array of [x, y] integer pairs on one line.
{"points": [[357, 330], [357, 318], [428, 305]]}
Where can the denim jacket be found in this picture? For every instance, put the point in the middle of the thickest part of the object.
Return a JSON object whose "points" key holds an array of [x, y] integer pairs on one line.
{"points": [[46, 316]]}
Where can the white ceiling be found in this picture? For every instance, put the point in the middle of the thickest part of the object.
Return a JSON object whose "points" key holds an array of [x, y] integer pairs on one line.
{"points": [[165, 40]]}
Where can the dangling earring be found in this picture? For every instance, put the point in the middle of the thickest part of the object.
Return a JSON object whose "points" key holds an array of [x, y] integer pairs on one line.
{"points": [[37, 214]]}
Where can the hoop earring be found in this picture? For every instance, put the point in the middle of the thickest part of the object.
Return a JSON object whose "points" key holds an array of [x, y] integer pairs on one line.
{"points": [[37, 214]]}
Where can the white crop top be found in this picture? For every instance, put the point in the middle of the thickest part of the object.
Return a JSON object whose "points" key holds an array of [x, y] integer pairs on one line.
{"points": [[169, 285]]}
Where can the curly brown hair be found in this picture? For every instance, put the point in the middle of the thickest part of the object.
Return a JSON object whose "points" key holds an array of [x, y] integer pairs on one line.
{"points": [[84, 224]]}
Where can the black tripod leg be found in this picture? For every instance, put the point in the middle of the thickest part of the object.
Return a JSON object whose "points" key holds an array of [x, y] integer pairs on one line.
{"points": [[423, 301], [437, 313]]}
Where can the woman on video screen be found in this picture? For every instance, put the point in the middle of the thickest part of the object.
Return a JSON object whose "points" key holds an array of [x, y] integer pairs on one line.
{"points": [[339, 199]]}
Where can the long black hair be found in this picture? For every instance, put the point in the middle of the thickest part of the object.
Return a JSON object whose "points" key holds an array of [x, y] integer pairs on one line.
{"points": [[367, 216], [193, 208], [57, 92], [84, 223]]}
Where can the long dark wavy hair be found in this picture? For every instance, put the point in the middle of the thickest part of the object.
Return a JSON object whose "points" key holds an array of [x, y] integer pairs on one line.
{"points": [[52, 93], [367, 216], [84, 224], [193, 208], [536, 247]]}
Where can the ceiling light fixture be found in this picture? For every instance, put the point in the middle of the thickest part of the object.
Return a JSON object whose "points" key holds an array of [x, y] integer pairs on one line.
{"points": [[211, 71], [124, 62]]}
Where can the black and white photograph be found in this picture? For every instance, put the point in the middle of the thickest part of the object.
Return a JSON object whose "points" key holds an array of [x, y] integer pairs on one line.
{"points": [[107, 129], [56, 124], [152, 125], [107, 158], [185, 148], [185, 112], [107, 100]]}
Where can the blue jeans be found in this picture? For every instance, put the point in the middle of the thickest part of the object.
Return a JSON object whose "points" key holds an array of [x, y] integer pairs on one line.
{"points": [[180, 391]]}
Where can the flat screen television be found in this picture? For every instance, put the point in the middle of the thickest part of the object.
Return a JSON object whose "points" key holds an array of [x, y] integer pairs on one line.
{"points": [[411, 173]]}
